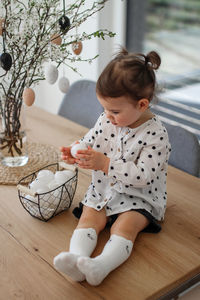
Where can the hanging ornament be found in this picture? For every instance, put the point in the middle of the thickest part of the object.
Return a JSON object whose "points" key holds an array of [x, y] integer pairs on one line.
{"points": [[64, 21], [1, 26], [6, 61], [56, 39], [28, 96], [77, 47], [51, 73], [5, 58], [63, 84]]}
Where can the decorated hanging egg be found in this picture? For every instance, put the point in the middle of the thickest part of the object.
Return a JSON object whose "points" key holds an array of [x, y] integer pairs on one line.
{"points": [[76, 147], [63, 84], [51, 73], [6, 61], [28, 96], [56, 39], [77, 47], [1, 26], [64, 23]]}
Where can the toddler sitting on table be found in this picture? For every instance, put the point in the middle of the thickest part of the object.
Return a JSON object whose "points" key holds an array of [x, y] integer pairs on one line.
{"points": [[128, 151]]}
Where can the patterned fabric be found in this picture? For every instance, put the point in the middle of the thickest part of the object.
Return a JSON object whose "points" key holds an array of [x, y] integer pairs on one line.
{"points": [[138, 167]]}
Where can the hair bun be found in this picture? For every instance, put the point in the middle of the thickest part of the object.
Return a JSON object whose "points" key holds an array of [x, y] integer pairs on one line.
{"points": [[153, 60]]}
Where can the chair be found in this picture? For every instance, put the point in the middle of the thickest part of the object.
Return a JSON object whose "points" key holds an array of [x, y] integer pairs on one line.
{"points": [[80, 104], [185, 154]]}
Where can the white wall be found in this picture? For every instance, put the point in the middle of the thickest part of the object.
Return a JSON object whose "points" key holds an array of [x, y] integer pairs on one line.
{"points": [[112, 17]]}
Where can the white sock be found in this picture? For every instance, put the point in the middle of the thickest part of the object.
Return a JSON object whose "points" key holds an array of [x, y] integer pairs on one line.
{"points": [[116, 251], [82, 243]]}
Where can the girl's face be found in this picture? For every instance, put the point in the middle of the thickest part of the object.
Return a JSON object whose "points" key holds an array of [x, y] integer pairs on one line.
{"points": [[122, 111]]}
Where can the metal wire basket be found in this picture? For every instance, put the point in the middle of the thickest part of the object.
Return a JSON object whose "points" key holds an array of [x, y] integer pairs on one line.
{"points": [[45, 206]]}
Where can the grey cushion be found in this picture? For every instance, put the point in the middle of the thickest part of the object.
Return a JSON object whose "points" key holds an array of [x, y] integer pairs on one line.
{"points": [[185, 154], [80, 104]]}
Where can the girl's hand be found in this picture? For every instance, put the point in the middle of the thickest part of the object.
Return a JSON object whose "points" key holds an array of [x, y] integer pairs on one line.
{"points": [[91, 159], [66, 155]]}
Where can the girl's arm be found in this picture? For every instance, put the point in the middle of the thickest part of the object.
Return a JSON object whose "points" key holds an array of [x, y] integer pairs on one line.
{"points": [[153, 159], [92, 159]]}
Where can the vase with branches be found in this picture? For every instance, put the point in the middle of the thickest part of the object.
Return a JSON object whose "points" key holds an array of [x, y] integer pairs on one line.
{"points": [[27, 33]]}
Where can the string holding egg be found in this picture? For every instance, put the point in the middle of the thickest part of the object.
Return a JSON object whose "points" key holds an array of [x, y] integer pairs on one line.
{"points": [[28, 96], [51, 73]]}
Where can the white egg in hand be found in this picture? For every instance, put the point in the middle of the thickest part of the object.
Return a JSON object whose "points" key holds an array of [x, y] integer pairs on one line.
{"points": [[76, 147]]}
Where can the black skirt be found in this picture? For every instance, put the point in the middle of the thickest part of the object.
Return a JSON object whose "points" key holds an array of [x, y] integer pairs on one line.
{"points": [[152, 227]]}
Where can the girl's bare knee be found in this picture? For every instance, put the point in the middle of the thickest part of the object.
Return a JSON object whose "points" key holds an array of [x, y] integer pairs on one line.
{"points": [[129, 224], [92, 218]]}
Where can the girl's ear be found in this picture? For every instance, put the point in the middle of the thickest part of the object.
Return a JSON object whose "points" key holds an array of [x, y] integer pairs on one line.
{"points": [[143, 104]]}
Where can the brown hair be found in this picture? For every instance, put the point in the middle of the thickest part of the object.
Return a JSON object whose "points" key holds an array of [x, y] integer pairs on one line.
{"points": [[129, 74]]}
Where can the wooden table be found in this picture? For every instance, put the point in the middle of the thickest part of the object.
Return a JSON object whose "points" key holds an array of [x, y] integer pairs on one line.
{"points": [[159, 263]]}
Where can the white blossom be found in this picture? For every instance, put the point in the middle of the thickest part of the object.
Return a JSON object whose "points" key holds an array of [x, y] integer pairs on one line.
{"points": [[29, 26]]}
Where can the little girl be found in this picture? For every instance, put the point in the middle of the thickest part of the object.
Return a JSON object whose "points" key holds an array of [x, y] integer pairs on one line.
{"points": [[128, 151]]}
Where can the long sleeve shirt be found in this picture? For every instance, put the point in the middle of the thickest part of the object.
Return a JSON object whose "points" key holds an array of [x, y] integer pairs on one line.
{"points": [[137, 172]]}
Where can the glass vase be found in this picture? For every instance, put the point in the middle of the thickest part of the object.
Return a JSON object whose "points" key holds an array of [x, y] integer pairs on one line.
{"points": [[13, 141]]}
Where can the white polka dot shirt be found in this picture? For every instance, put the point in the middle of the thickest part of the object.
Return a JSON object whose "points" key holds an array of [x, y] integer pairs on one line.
{"points": [[137, 171]]}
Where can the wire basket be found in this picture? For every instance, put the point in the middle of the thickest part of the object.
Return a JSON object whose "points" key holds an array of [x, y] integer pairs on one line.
{"points": [[45, 206]]}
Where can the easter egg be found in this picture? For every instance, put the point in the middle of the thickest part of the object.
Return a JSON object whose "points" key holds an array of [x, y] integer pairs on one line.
{"points": [[77, 47], [35, 185], [61, 177], [56, 194], [63, 84], [56, 39], [43, 189], [53, 185], [31, 198], [76, 147], [28, 96], [69, 173], [46, 175], [44, 180], [5, 61], [64, 22], [1, 26], [51, 73]]}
